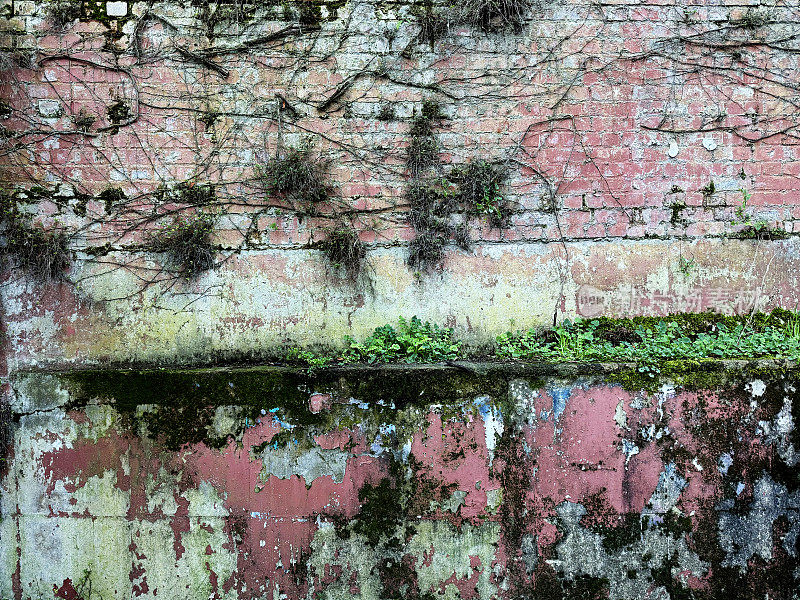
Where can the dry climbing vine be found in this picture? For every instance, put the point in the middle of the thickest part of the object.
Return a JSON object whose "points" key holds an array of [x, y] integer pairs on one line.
{"points": [[239, 126]]}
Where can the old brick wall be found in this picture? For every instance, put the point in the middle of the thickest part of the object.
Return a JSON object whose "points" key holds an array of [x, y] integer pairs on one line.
{"points": [[640, 142], [641, 160]]}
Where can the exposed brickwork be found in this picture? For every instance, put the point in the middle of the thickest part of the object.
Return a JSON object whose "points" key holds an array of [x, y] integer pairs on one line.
{"points": [[584, 103], [636, 138]]}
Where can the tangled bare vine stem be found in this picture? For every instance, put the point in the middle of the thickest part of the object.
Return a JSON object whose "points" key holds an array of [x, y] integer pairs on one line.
{"points": [[193, 87]]}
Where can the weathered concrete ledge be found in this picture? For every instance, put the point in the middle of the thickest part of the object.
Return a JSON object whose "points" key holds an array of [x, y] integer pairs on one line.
{"points": [[464, 480]]}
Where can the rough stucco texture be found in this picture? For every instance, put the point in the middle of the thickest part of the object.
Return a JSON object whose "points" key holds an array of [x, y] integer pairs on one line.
{"points": [[268, 484], [637, 139]]}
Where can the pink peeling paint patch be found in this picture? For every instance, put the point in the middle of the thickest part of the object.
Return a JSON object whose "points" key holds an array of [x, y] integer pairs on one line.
{"points": [[318, 402], [274, 519]]}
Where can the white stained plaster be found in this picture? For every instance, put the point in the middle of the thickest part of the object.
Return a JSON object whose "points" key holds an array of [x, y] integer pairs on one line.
{"points": [[117, 9]]}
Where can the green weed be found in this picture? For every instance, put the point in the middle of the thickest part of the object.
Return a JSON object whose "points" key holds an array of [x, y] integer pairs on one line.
{"points": [[650, 341], [412, 341]]}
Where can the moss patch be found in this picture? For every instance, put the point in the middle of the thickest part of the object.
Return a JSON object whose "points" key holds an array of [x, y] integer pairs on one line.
{"points": [[183, 401]]}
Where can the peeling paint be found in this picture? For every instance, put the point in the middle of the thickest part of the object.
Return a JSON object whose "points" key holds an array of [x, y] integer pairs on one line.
{"points": [[361, 498]]}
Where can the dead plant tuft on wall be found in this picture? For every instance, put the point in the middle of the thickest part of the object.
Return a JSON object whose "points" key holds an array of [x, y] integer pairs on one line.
{"points": [[63, 13], [344, 249], [297, 175], [494, 15], [423, 149], [479, 190], [186, 242], [43, 254]]}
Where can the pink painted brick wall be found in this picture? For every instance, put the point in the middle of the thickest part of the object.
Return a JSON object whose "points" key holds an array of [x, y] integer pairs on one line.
{"points": [[586, 99]]}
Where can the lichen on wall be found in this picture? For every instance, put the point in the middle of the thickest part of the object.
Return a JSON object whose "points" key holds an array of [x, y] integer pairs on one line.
{"points": [[629, 572]]}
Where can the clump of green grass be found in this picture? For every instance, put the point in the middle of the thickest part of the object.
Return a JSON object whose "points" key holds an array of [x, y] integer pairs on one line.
{"points": [[473, 189], [194, 194], [43, 254], [440, 206]]}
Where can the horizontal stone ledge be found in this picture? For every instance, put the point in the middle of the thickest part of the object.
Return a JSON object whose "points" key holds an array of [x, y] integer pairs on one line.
{"points": [[512, 367], [392, 383]]}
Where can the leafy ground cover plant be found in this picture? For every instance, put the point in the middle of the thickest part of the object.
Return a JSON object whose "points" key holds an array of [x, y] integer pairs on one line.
{"points": [[307, 357], [648, 342], [411, 341]]}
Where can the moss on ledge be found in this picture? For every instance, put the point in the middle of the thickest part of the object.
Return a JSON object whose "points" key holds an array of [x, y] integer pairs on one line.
{"points": [[400, 380], [398, 384]]}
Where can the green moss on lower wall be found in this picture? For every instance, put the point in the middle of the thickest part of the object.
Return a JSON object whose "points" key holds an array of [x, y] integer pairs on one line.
{"points": [[182, 406], [181, 403]]}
